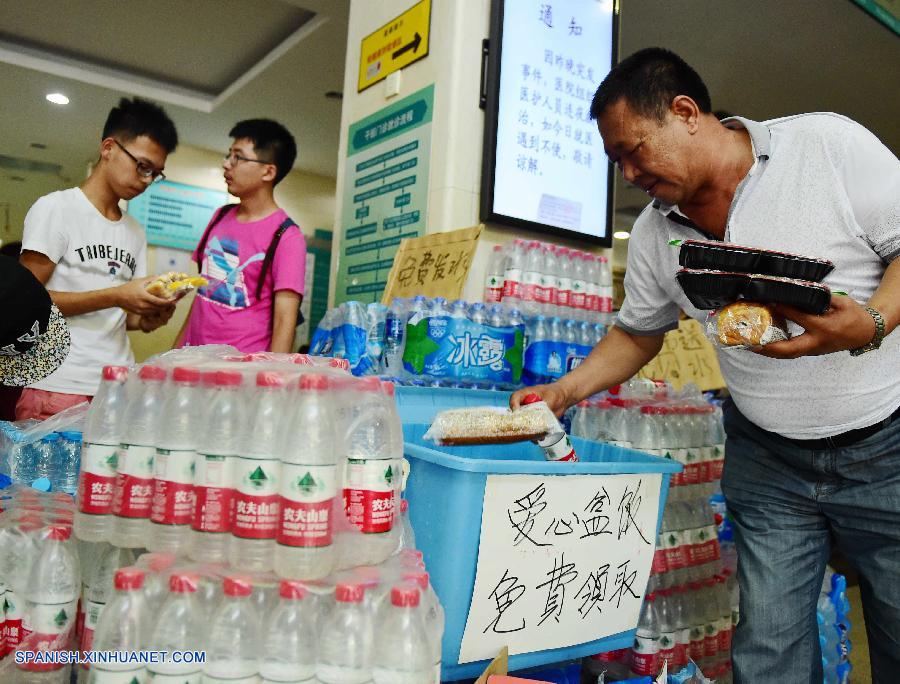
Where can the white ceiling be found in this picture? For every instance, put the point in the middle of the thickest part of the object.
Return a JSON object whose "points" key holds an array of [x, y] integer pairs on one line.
{"points": [[760, 59]]}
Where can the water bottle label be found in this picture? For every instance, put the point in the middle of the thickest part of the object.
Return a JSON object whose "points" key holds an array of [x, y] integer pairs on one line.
{"points": [[682, 646], [256, 498], [672, 543], [212, 494], [14, 616], [668, 647], [563, 291], [369, 494], [725, 632], [307, 495], [133, 676], [185, 678], [46, 622], [645, 655], [606, 299], [578, 297], [173, 478], [659, 564], [531, 283], [512, 283], [493, 288], [134, 481], [559, 448], [98, 478], [711, 639], [92, 613]]}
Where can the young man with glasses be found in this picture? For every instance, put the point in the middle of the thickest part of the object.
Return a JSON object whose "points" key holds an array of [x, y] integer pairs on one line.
{"points": [[252, 254], [92, 257]]}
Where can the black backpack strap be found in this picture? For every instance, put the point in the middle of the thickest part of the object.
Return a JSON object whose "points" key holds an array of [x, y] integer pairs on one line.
{"points": [[201, 246], [270, 255]]}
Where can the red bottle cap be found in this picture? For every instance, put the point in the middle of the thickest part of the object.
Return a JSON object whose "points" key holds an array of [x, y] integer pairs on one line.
{"points": [[291, 589], [237, 585], [419, 577], [186, 374], [116, 373], [58, 532], [369, 384], [183, 583], [128, 579], [228, 379], [405, 596], [387, 388], [269, 379], [313, 381], [349, 593], [404, 505], [531, 399], [152, 373]]}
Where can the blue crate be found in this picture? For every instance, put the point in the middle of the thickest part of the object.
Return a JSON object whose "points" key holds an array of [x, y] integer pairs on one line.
{"points": [[445, 491], [420, 404]]}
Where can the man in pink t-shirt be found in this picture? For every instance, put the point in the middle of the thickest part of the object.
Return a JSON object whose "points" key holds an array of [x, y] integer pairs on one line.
{"points": [[252, 254]]}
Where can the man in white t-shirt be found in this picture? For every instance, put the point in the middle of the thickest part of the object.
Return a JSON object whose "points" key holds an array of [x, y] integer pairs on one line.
{"points": [[92, 257], [813, 423]]}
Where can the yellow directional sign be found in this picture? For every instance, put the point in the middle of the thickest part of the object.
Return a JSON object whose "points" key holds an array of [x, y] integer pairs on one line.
{"points": [[398, 43]]}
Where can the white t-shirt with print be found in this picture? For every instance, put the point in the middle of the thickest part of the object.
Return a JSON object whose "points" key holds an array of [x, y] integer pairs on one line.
{"points": [[91, 253]]}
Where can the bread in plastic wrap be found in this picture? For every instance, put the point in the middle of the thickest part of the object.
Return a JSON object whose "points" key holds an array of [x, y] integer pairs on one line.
{"points": [[746, 325], [174, 285], [487, 425]]}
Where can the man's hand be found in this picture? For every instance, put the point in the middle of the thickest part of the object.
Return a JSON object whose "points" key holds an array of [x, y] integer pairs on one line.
{"points": [[846, 325], [555, 396], [134, 298], [152, 321]]}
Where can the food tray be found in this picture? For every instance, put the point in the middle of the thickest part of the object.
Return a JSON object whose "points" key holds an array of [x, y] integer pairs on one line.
{"points": [[715, 289], [722, 256]]}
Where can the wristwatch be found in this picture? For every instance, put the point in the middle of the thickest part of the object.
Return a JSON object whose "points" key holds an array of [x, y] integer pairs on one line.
{"points": [[879, 334]]}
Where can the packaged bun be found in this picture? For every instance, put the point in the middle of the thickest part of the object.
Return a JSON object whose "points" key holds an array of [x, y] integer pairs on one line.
{"points": [[746, 324], [174, 285], [487, 425]]}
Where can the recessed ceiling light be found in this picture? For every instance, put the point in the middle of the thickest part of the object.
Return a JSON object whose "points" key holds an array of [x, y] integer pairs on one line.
{"points": [[57, 98], [621, 235]]}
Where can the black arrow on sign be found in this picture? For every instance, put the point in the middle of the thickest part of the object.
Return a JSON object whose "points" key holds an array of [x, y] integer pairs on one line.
{"points": [[414, 46]]}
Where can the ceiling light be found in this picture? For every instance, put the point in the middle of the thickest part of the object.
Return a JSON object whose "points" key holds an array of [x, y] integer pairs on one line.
{"points": [[57, 98], [621, 235]]}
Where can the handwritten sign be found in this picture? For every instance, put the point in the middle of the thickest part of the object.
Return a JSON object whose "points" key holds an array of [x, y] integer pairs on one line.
{"points": [[433, 265], [561, 561], [686, 356]]}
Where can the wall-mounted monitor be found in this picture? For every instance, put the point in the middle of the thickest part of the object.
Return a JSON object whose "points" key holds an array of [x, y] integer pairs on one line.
{"points": [[544, 166]]}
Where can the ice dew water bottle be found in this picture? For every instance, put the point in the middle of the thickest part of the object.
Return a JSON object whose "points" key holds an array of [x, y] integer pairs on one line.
{"points": [[645, 650], [134, 482], [234, 645], [256, 479], [180, 626], [493, 282], [402, 649], [123, 629], [309, 484], [289, 639], [345, 642], [556, 445], [394, 337], [173, 465], [102, 435], [51, 598], [371, 474], [223, 422]]}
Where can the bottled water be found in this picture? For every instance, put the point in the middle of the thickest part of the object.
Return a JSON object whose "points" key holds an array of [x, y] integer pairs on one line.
{"points": [[257, 471], [645, 651], [493, 285], [309, 484], [377, 318], [179, 626], [606, 290], [46, 458], [549, 275], [102, 434], [289, 638], [556, 445], [222, 428], [234, 644], [403, 654], [668, 630], [532, 290], [395, 334], [514, 268], [592, 276], [69, 461], [578, 298], [563, 282], [172, 506], [99, 588], [496, 315], [134, 482], [432, 616], [123, 629], [345, 641]]}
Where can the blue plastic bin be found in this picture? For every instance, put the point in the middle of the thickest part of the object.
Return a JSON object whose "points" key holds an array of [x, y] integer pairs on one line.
{"points": [[445, 481]]}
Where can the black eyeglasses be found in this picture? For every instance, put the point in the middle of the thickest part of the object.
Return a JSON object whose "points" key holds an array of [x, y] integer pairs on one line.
{"points": [[232, 158], [143, 168]]}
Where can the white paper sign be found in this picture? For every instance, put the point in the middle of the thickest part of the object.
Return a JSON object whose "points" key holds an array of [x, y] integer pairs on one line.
{"points": [[562, 560]]}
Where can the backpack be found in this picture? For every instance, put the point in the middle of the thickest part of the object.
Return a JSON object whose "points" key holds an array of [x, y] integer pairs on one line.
{"points": [[267, 261]]}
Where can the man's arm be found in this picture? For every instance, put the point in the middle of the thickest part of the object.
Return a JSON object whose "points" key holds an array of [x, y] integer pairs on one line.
{"points": [[284, 320], [615, 359], [132, 296]]}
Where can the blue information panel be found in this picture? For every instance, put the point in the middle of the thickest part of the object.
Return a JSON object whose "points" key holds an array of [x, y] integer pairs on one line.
{"points": [[175, 214]]}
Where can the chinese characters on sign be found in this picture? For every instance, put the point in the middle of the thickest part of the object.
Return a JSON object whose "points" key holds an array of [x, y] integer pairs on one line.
{"points": [[686, 356], [561, 560]]}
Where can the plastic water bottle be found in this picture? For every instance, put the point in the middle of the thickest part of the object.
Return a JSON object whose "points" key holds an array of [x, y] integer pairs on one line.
{"points": [[549, 274], [578, 298], [532, 292], [309, 484], [432, 616], [99, 586], [645, 650], [289, 638], [376, 314], [370, 478], [394, 338], [70, 461], [51, 599], [403, 654], [606, 291], [173, 465], [563, 283], [123, 628], [157, 571], [257, 472], [592, 278], [102, 434], [223, 422], [234, 641], [556, 445], [345, 643], [513, 274], [179, 626], [133, 497], [46, 461], [493, 282], [668, 630]]}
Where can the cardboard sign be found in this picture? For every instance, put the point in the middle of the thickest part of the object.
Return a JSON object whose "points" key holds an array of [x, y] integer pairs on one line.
{"points": [[561, 561], [434, 265], [400, 42], [686, 356]]}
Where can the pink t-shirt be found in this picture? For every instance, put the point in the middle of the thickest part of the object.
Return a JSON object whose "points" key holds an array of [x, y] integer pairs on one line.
{"points": [[227, 311]]}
